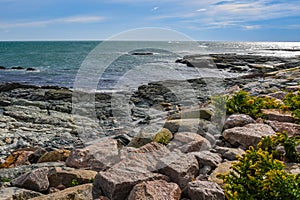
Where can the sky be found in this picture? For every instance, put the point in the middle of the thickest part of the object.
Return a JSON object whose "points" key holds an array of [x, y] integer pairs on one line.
{"points": [[203, 20]]}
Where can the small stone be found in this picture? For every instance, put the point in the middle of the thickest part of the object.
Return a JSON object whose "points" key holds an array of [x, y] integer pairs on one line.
{"points": [[17, 158]]}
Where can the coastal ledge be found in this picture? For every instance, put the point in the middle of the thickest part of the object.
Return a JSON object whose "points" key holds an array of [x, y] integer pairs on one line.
{"points": [[40, 140]]}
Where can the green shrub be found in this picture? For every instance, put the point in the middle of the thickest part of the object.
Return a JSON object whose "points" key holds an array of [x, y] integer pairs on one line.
{"points": [[242, 102], [270, 144], [74, 183], [292, 103], [259, 176]]}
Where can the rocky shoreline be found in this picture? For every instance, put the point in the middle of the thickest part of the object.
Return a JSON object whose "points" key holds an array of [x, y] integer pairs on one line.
{"points": [[171, 145]]}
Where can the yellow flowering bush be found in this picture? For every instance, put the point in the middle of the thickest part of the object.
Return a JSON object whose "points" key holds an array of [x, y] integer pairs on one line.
{"points": [[257, 175]]}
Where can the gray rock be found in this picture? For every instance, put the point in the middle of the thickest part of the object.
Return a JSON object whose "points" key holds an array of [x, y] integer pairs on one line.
{"points": [[189, 142], [98, 156], [248, 135], [159, 189], [205, 190], [229, 153], [278, 115], [36, 180], [17, 193], [238, 120], [207, 158], [180, 168]]}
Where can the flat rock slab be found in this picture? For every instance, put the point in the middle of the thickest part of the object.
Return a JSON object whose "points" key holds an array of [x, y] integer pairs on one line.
{"points": [[205, 190], [248, 135], [180, 168], [155, 190], [291, 128], [17, 193], [80, 192], [278, 115]]}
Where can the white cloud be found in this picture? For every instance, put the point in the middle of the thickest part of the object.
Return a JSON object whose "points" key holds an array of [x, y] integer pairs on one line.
{"points": [[155, 8], [251, 27], [40, 23]]}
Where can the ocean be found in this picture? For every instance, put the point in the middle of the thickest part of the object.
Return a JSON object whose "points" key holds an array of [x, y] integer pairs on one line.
{"points": [[123, 64]]}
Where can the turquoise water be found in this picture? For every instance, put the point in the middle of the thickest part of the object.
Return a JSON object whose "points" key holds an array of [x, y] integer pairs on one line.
{"points": [[57, 63]]}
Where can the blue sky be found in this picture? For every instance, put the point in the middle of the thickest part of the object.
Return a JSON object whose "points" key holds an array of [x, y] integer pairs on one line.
{"points": [[229, 20]]}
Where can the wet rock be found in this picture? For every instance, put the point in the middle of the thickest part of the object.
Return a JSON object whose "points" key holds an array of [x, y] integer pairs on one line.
{"points": [[36, 180], [80, 192], [207, 158], [55, 156], [229, 153], [248, 135], [142, 53], [291, 128], [223, 169], [205, 190], [17, 193], [189, 142], [98, 156], [238, 120], [61, 94], [159, 189], [67, 177], [1, 67], [18, 68], [30, 69], [180, 168]]}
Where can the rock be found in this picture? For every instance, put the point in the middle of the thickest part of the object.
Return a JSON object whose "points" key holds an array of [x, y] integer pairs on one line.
{"points": [[293, 88], [278, 115], [291, 128], [80, 192], [229, 153], [207, 158], [36, 180], [55, 156], [12, 173], [145, 157], [292, 168], [69, 177], [98, 156], [1, 67], [36, 155], [278, 95], [117, 182], [189, 142], [182, 125], [159, 189], [205, 190], [162, 136], [17, 193], [30, 69], [180, 168], [223, 168], [142, 53], [18, 68], [238, 120], [17, 158], [248, 135], [196, 113], [60, 94]]}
